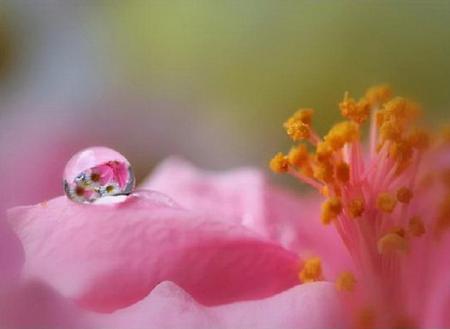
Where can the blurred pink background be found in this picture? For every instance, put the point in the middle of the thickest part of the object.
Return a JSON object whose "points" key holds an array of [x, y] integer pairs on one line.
{"points": [[208, 81]]}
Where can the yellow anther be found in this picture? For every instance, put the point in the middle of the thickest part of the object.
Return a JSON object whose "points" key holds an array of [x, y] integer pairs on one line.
{"points": [[356, 207], [348, 105], [331, 208], [378, 94], [402, 110], [398, 230], [303, 115], [325, 191], [416, 226], [392, 242], [298, 130], [390, 131], [298, 156], [311, 271], [279, 163], [386, 202], [298, 125], [419, 139], [337, 190], [323, 172], [355, 111], [342, 133], [343, 172], [345, 281], [326, 216], [364, 107], [401, 151], [404, 195], [323, 152], [380, 118]]}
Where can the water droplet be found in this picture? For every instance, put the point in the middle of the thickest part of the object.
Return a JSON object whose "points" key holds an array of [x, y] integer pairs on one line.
{"points": [[97, 172]]}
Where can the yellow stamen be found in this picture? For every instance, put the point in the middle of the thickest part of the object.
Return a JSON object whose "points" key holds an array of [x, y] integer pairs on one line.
{"points": [[325, 191], [298, 125], [279, 163], [354, 111], [398, 230], [392, 242], [356, 207], [323, 152], [298, 156], [378, 94], [416, 226], [311, 271], [109, 188], [302, 115], [386, 202], [401, 151], [390, 131], [324, 172], [342, 133], [404, 195], [331, 208], [401, 110], [345, 282], [343, 172], [298, 131], [419, 139]]}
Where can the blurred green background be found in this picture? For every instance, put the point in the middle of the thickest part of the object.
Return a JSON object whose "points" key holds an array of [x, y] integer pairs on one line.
{"points": [[229, 72]]}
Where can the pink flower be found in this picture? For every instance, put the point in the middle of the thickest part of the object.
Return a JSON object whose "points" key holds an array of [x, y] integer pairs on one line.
{"points": [[211, 250], [149, 259], [390, 207]]}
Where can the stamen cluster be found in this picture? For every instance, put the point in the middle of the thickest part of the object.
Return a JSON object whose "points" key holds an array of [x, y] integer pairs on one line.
{"points": [[372, 199]]}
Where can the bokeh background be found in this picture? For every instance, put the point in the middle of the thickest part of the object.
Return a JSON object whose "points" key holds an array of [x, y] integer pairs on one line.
{"points": [[210, 81]]}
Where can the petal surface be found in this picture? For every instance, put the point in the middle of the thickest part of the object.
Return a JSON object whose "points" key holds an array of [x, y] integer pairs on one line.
{"points": [[110, 256], [244, 196], [11, 254], [315, 305], [35, 305]]}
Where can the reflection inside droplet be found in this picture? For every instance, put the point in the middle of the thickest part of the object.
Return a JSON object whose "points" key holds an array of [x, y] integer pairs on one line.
{"points": [[97, 172]]}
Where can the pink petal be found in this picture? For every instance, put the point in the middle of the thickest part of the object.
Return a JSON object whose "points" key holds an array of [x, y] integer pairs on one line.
{"points": [[34, 305], [110, 256], [11, 254], [235, 195], [244, 196], [436, 312], [310, 306]]}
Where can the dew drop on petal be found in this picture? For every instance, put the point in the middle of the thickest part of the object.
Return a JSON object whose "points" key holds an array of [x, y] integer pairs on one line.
{"points": [[97, 172]]}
